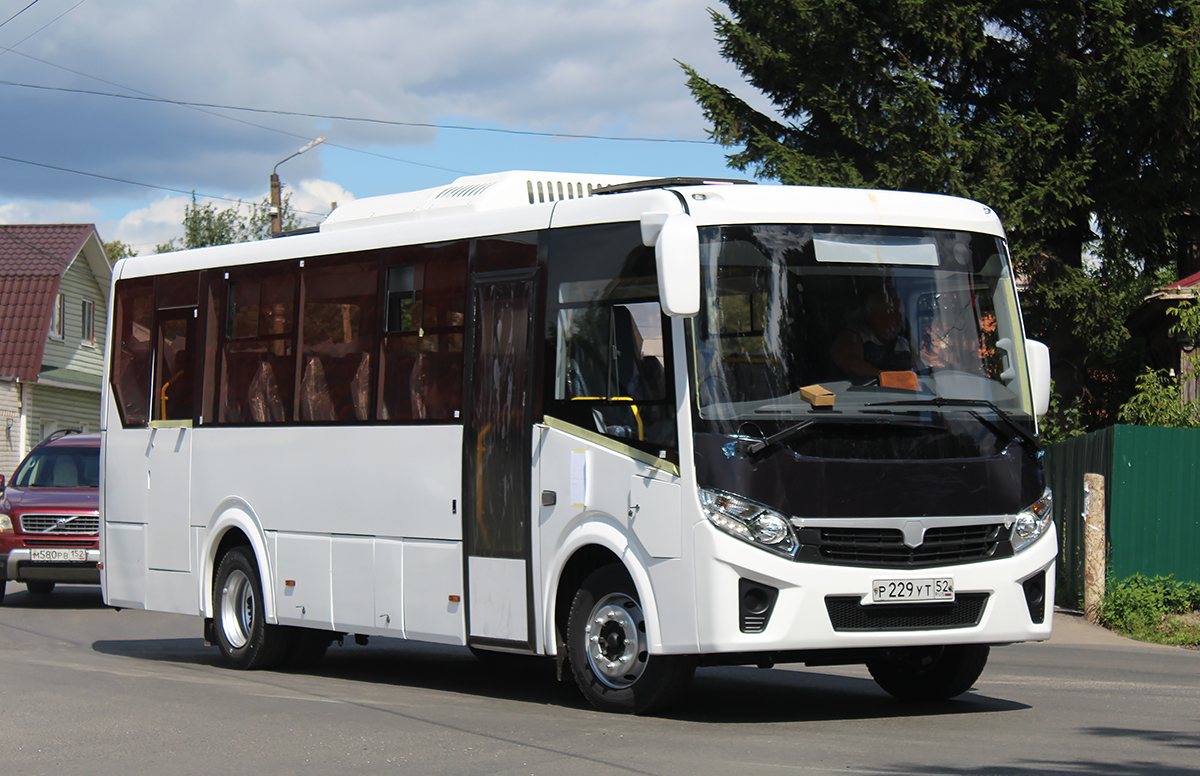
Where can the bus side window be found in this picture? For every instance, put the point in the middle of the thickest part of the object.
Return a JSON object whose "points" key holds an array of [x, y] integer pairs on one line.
{"points": [[612, 369], [612, 358], [258, 353], [132, 317], [422, 364], [338, 338]]}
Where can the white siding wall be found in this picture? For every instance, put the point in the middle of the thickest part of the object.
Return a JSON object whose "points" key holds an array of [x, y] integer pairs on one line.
{"points": [[78, 284], [61, 407], [10, 428]]}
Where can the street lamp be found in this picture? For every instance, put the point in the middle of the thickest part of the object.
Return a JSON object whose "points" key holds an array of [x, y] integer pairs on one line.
{"points": [[276, 200]]}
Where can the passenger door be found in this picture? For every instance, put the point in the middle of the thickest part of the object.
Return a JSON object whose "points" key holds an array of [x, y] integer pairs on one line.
{"points": [[497, 450], [172, 408]]}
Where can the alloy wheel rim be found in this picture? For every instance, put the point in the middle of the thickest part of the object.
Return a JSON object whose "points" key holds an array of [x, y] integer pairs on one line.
{"points": [[616, 640], [237, 609]]}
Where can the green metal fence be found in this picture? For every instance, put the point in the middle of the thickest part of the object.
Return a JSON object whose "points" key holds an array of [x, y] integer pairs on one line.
{"points": [[1151, 504]]}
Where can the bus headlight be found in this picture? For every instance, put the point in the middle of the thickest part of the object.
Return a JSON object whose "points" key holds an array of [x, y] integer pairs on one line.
{"points": [[1032, 522], [749, 521]]}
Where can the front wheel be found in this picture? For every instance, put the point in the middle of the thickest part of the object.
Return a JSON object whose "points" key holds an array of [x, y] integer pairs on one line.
{"points": [[245, 638], [607, 647], [930, 673]]}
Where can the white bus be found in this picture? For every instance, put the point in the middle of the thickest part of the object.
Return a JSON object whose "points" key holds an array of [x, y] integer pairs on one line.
{"points": [[638, 426]]}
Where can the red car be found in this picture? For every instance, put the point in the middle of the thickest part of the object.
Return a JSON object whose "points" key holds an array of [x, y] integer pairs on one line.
{"points": [[50, 515]]}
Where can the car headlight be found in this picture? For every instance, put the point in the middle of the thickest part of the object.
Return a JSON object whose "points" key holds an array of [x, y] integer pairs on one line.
{"points": [[6, 525], [749, 521], [1032, 522]]}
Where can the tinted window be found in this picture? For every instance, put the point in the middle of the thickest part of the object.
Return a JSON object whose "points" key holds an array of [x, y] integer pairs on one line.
{"points": [[612, 366]]}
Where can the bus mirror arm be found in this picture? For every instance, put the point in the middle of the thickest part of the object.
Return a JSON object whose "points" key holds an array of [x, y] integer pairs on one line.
{"points": [[676, 242]]}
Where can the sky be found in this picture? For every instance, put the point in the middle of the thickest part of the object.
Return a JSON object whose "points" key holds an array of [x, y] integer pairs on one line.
{"points": [[114, 111]]}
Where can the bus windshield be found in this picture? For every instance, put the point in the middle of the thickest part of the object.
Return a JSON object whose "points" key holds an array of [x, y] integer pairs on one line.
{"points": [[896, 327]]}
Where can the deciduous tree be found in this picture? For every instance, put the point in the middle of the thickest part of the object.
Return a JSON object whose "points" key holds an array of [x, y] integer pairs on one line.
{"points": [[204, 225]]}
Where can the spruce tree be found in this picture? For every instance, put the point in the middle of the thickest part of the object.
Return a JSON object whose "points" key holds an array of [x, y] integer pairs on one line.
{"points": [[1075, 120]]}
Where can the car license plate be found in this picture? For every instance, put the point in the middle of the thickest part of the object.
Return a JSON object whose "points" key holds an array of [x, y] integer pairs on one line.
{"points": [[57, 554], [903, 591]]}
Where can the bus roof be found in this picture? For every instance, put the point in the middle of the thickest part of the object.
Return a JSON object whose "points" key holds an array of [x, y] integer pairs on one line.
{"points": [[474, 193], [711, 201]]}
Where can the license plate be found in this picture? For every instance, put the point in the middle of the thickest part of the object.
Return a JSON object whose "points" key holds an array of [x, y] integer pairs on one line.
{"points": [[57, 554], [902, 591]]}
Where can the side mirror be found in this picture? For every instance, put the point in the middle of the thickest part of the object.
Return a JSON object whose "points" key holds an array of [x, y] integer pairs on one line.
{"points": [[1, 483], [676, 242], [1037, 355]]}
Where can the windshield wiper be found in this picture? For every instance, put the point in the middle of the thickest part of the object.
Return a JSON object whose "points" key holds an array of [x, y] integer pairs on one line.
{"points": [[762, 444], [1020, 431]]}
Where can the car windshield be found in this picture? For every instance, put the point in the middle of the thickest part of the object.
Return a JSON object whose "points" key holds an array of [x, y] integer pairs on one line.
{"points": [[856, 324], [60, 467]]}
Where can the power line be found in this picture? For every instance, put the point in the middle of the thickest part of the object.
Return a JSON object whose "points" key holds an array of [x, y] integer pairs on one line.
{"points": [[146, 96], [39, 29], [136, 183], [18, 13], [356, 119]]}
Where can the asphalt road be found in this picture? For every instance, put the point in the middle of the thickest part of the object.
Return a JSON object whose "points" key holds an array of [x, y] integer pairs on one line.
{"points": [[85, 689]]}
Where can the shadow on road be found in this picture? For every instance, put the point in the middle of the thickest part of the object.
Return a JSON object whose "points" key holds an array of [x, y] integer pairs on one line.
{"points": [[727, 695], [64, 597]]}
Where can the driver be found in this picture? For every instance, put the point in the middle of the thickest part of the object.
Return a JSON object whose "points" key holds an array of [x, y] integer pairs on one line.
{"points": [[874, 343]]}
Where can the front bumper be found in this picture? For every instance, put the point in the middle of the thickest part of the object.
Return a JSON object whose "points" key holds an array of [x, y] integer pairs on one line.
{"points": [[1013, 600], [19, 566]]}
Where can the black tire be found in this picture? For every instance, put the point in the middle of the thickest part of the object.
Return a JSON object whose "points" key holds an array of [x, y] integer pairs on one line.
{"points": [[245, 638], [3, 584], [930, 673], [606, 645], [40, 587]]}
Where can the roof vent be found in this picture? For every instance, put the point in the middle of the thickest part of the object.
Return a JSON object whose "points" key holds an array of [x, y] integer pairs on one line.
{"points": [[556, 190], [462, 192]]}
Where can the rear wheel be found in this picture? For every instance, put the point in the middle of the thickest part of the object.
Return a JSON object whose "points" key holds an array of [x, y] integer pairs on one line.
{"points": [[245, 638], [40, 587], [930, 673], [607, 646]]}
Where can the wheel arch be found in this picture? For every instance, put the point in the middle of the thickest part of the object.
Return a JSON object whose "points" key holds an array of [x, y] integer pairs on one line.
{"points": [[234, 524], [591, 546]]}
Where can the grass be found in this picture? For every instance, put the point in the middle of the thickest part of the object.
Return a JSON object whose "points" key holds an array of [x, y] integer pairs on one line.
{"points": [[1161, 610]]}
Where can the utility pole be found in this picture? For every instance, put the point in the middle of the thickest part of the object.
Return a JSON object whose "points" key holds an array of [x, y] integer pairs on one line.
{"points": [[276, 190]]}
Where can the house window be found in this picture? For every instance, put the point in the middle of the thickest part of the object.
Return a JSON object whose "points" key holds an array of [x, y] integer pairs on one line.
{"points": [[89, 322], [58, 324]]}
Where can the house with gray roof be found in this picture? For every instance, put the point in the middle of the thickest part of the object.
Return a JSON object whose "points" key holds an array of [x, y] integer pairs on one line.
{"points": [[54, 284]]}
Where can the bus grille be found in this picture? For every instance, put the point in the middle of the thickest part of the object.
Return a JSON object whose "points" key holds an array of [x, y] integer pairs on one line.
{"points": [[885, 548], [847, 614], [60, 525]]}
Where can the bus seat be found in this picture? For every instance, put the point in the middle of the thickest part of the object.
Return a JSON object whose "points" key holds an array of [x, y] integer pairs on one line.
{"points": [[265, 403], [360, 388], [315, 403]]}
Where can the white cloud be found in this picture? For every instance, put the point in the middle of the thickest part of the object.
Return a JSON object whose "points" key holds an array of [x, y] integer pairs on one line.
{"points": [[145, 228], [314, 199], [35, 212], [606, 67]]}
